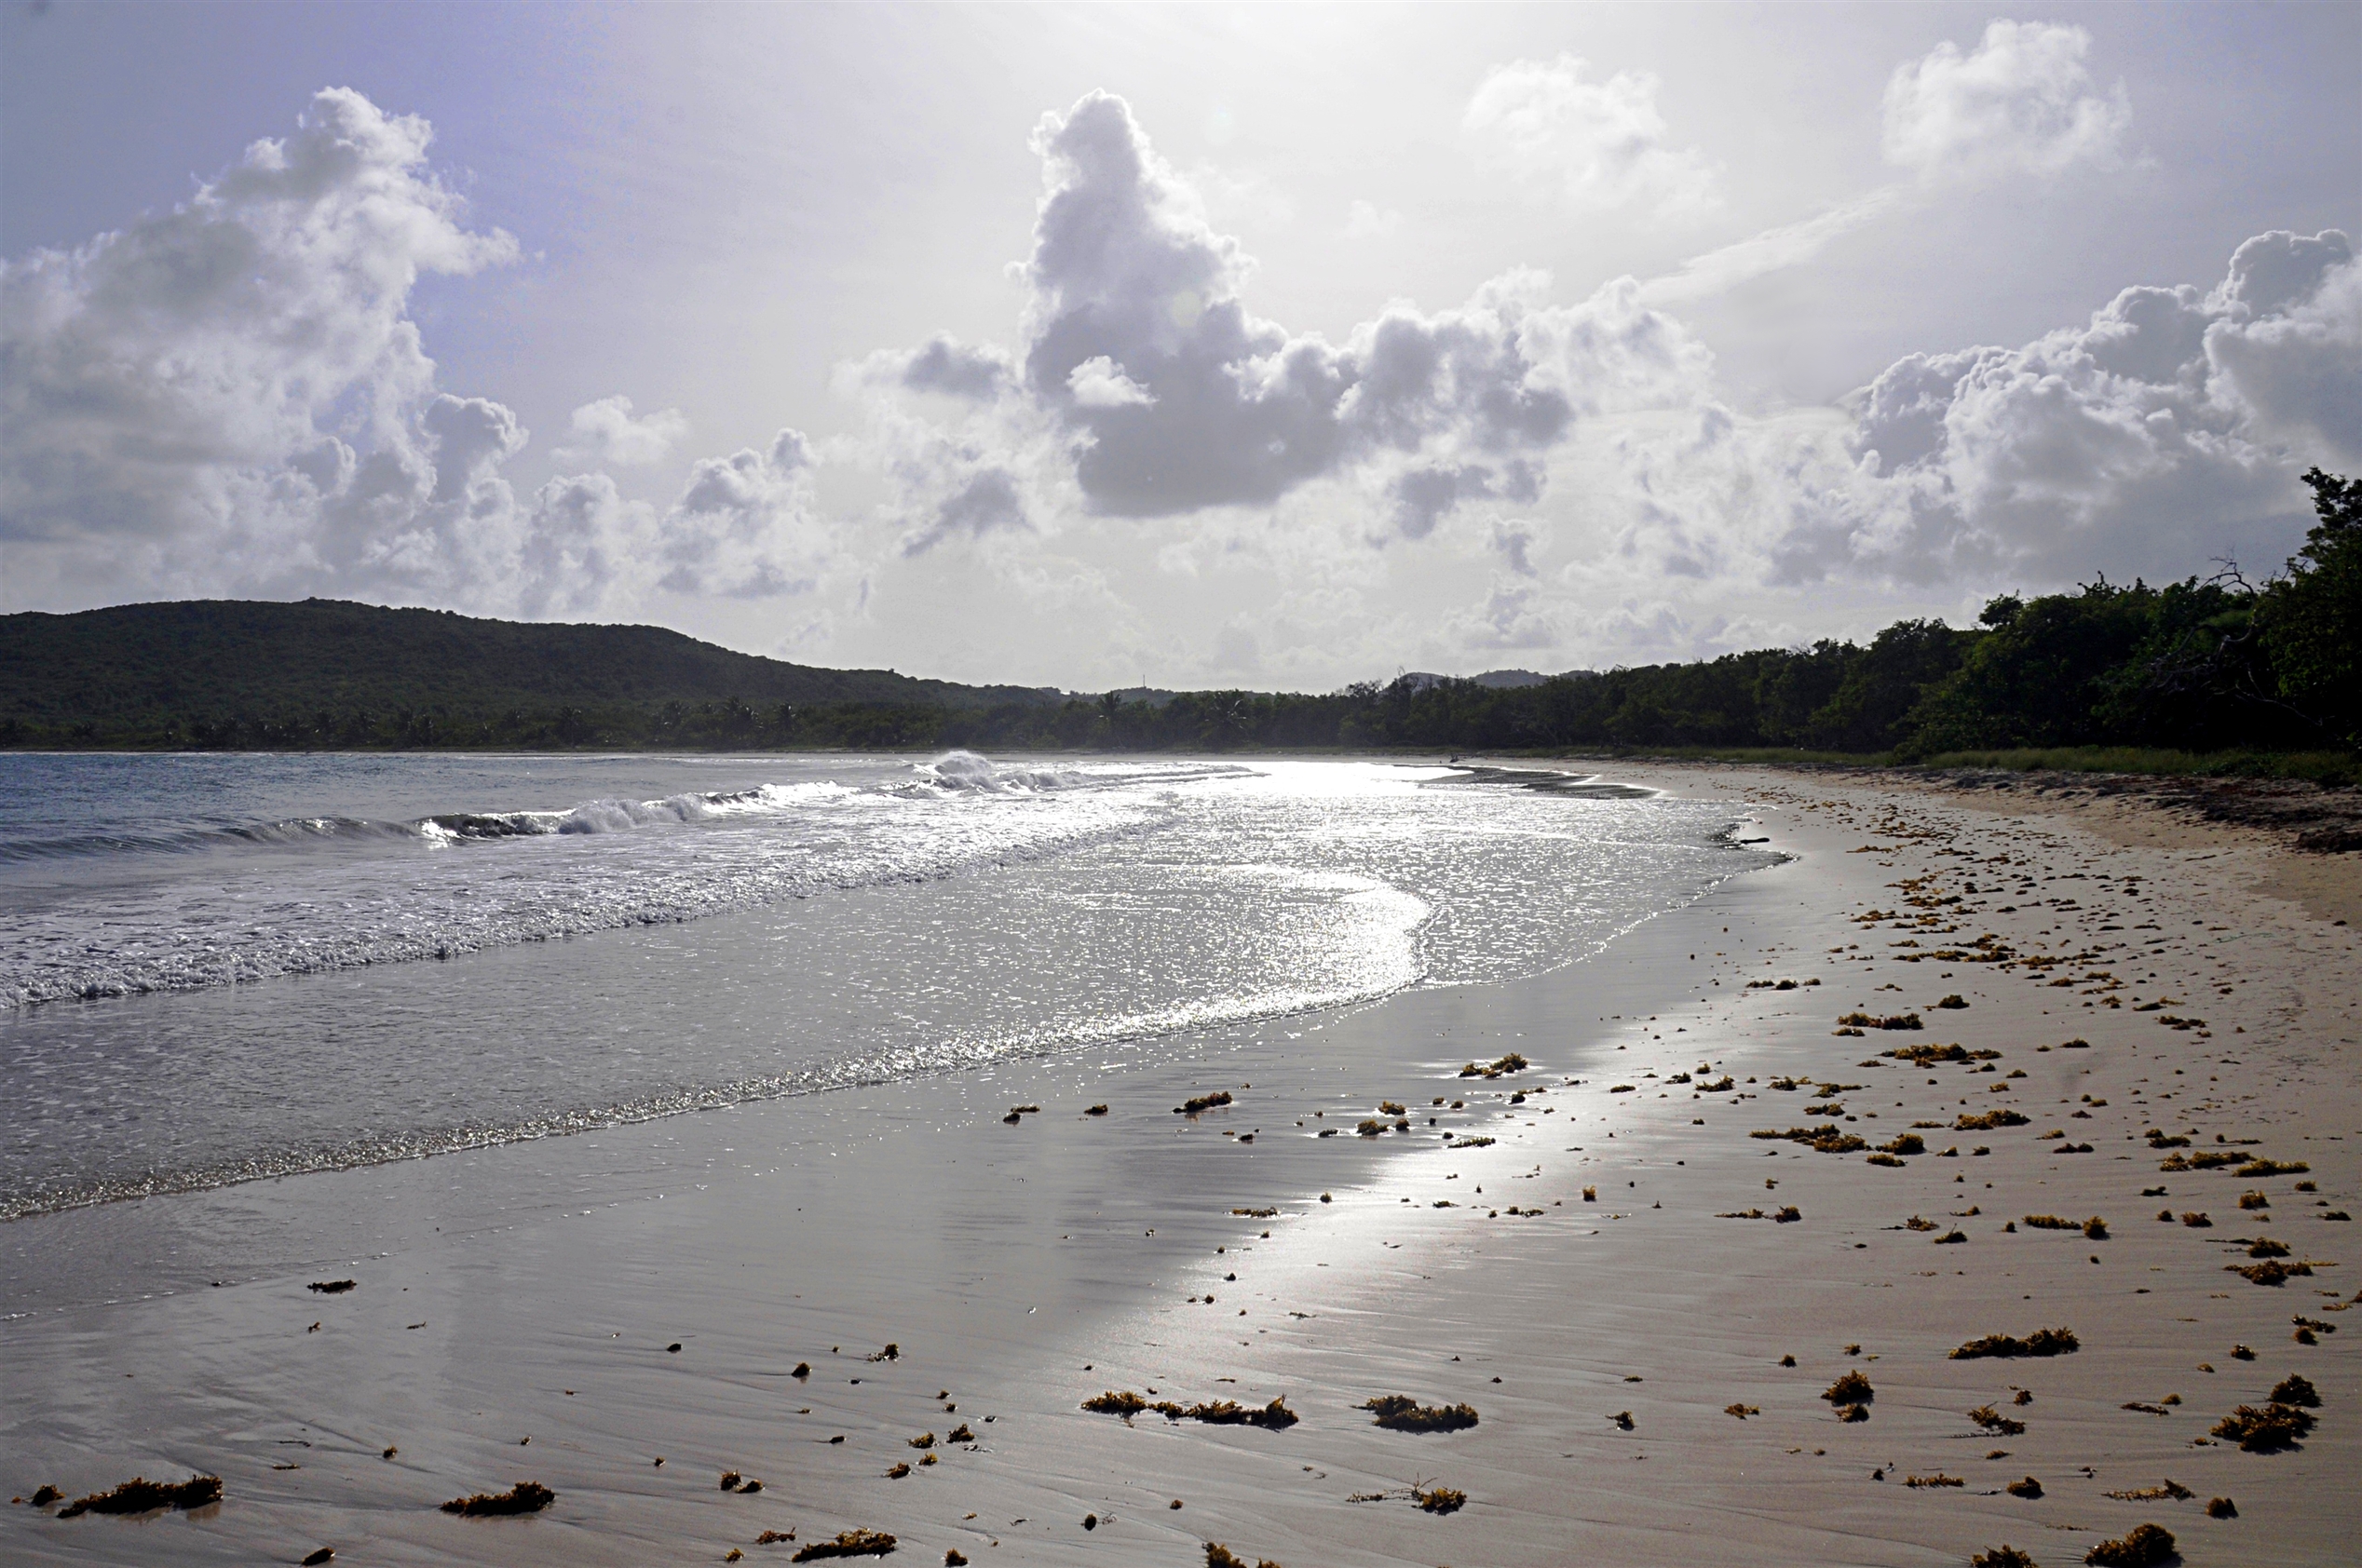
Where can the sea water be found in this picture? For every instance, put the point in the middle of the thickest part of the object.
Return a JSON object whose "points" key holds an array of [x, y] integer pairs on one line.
{"points": [[218, 967]]}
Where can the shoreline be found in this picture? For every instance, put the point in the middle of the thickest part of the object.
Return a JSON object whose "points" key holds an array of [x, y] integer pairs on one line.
{"points": [[1003, 1261]]}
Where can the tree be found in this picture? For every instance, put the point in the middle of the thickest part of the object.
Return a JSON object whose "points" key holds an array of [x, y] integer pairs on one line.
{"points": [[2310, 619]]}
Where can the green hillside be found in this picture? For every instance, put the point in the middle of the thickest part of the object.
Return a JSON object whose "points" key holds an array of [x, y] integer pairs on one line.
{"points": [[145, 670]]}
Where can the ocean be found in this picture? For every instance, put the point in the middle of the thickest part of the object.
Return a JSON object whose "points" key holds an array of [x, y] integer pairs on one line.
{"points": [[218, 967]]}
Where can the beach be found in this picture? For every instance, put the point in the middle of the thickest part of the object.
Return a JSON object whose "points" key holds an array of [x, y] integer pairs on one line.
{"points": [[889, 1303]]}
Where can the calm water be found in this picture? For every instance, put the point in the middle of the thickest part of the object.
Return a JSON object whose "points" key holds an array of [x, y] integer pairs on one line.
{"points": [[215, 967]]}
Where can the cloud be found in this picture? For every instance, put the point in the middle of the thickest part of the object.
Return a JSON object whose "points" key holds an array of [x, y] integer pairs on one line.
{"points": [[2163, 431], [1772, 251], [232, 397], [1144, 387], [1101, 384], [606, 432], [2020, 101], [746, 526], [947, 366], [987, 503], [1599, 145], [1367, 220], [234, 389]]}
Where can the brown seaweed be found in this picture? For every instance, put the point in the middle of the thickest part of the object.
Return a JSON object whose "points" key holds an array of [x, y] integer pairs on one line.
{"points": [[2042, 1341], [849, 1543], [2142, 1546], [525, 1497], [141, 1495]]}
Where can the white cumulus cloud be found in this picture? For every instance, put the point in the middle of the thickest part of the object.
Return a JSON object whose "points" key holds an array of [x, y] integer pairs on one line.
{"points": [[1599, 143], [2021, 101], [234, 391], [607, 432]]}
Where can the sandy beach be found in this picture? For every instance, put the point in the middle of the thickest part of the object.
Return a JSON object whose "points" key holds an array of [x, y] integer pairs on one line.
{"points": [[889, 1306]]}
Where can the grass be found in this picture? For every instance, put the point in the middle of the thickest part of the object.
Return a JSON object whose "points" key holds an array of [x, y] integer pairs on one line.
{"points": [[141, 1495]]}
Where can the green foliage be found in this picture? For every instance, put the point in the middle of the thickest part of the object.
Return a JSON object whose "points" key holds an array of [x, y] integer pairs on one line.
{"points": [[2192, 677], [324, 673], [2311, 619]]}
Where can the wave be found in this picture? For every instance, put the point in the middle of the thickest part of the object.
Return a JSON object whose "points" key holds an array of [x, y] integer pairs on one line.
{"points": [[601, 816], [958, 772]]}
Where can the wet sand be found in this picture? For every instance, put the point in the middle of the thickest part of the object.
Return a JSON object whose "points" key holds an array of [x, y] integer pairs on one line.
{"points": [[514, 1310]]}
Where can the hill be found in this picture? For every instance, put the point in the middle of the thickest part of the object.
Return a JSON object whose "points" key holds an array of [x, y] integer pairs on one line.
{"points": [[145, 670]]}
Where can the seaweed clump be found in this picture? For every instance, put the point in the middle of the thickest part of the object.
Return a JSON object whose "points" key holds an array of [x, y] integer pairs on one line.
{"points": [[2003, 1556], [1512, 1062], [2268, 1430], [1440, 1499], [141, 1495], [1966, 1122], [2296, 1389], [2142, 1546], [525, 1497], [1853, 1390], [1219, 1556], [1827, 1139], [2028, 1488], [1993, 1420], [2042, 1341], [1274, 1417], [2270, 1272], [1400, 1412], [850, 1543], [1196, 1103]]}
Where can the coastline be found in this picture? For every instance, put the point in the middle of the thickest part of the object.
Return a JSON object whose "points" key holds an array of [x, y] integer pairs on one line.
{"points": [[1004, 1261]]}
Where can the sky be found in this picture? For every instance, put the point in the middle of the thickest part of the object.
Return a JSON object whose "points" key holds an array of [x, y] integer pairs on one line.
{"points": [[1276, 347]]}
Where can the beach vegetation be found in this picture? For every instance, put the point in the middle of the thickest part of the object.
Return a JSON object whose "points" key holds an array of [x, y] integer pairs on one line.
{"points": [[525, 1497], [2266, 1430], [1220, 1556], [1400, 1412], [2042, 1341], [1853, 1389], [848, 1543], [2142, 1546], [139, 1495], [2223, 676]]}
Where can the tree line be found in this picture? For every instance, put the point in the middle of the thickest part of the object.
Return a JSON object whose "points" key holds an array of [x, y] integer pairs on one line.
{"points": [[2194, 666]]}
